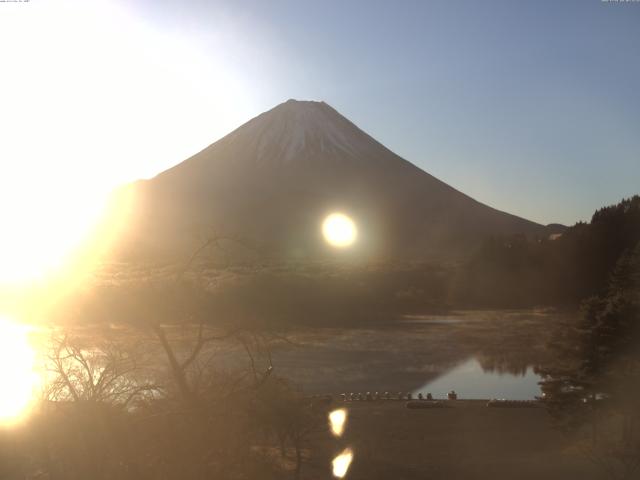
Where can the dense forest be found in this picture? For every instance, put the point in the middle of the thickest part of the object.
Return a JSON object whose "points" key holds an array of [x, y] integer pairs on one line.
{"points": [[560, 270], [592, 391], [511, 272]]}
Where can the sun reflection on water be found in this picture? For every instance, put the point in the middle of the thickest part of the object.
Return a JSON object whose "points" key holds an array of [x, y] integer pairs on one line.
{"points": [[342, 462], [337, 421]]}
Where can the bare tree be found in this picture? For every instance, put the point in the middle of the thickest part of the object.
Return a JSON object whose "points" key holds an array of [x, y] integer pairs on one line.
{"points": [[102, 374]]}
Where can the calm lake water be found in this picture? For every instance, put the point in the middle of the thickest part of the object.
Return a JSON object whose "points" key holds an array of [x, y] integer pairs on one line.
{"points": [[470, 380], [479, 354]]}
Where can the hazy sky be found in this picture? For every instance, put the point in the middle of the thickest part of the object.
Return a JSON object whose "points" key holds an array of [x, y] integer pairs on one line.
{"points": [[532, 107]]}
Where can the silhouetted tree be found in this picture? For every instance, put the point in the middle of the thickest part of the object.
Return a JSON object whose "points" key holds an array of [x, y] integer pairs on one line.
{"points": [[516, 271], [595, 395]]}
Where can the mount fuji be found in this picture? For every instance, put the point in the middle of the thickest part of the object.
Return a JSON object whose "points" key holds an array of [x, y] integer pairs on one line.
{"points": [[274, 179]]}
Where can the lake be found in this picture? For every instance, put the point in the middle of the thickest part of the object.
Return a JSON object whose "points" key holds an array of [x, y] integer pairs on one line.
{"points": [[479, 354], [471, 381]]}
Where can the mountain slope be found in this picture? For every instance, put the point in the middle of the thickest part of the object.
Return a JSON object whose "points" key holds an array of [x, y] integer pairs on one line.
{"points": [[274, 179]]}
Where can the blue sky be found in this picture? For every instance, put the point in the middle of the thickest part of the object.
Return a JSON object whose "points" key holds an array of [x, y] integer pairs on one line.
{"points": [[532, 107]]}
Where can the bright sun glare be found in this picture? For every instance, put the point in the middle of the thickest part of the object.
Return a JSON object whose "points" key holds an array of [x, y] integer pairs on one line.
{"points": [[341, 463], [337, 421], [339, 230], [18, 377], [99, 103]]}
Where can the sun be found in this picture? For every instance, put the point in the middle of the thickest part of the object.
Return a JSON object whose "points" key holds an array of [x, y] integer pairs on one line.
{"points": [[18, 378], [81, 118], [339, 230]]}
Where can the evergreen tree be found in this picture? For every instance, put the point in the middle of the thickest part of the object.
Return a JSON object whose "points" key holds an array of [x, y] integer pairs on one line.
{"points": [[595, 393]]}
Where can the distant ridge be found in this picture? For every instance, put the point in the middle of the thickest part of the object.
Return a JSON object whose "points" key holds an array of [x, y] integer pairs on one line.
{"points": [[272, 181]]}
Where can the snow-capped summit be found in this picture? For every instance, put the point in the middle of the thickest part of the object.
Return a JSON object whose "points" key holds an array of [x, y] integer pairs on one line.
{"points": [[272, 181], [302, 130], [291, 128]]}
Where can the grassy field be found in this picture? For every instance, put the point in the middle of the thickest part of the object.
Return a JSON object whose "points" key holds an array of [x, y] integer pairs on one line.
{"points": [[466, 441]]}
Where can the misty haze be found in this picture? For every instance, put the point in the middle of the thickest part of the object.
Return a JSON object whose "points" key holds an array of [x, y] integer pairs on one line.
{"points": [[313, 240]]}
